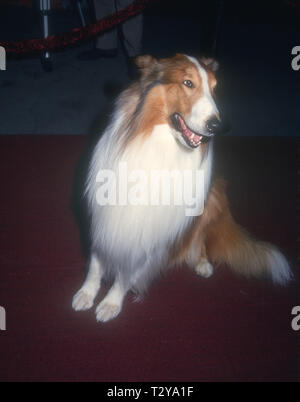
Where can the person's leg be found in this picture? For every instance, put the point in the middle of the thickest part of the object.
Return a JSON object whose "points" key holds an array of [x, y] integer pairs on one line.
{"points": [[132, 31], [107, 40], [106, 43]]}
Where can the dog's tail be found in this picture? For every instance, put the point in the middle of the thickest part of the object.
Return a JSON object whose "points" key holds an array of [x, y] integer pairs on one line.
{"points": [[227, 242]]}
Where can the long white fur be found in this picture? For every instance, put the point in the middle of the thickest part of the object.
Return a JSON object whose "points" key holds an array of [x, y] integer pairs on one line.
{"points": [[134, 235], [131, 242], [279, 267]]}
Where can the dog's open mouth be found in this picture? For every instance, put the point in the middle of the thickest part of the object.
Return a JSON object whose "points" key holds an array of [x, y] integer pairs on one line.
{"points": [[192, 138]]}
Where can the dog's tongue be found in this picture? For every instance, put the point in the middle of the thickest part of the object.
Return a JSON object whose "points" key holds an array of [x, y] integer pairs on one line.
{"points": [[190, 135]]}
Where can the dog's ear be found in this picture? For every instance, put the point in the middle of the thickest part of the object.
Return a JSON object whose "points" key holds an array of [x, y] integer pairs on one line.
{"points": [[147, 64], [211, 63]]}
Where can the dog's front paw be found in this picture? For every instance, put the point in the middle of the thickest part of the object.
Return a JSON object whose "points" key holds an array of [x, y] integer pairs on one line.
{"points": [[204, 268], [106, 311], [82, 300]]}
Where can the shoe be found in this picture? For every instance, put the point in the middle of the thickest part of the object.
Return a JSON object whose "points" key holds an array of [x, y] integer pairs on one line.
{"points": [[95, 54]]}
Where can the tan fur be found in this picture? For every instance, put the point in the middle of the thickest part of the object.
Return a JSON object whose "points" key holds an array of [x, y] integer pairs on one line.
{"points": [[195, 236], [169, 96], [153, 113], [214, 235], [217, 238]]}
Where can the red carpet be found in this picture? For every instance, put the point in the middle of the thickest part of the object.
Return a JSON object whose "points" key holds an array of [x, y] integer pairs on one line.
{"points": [[187, 328]]}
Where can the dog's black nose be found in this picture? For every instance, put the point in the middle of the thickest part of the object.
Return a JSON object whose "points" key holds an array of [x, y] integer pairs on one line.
{"points": [[214, 125]]}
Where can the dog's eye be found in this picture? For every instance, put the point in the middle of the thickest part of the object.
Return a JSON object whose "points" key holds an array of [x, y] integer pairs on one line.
{"points": [[188, 83]]}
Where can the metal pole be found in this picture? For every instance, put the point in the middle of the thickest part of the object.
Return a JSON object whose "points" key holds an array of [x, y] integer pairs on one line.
{"points": [[45, 8]]}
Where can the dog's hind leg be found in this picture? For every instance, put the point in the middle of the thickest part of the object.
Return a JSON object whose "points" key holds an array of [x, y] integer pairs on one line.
{"points": [[111, 305], [197, 258], [84, 298], [203, 267]]}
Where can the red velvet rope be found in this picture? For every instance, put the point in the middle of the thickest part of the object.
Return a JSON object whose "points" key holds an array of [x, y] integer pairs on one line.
{"points": [[54, 42]]}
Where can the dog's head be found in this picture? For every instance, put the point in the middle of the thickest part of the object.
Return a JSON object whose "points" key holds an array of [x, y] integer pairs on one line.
{"points": [[189, 104]]}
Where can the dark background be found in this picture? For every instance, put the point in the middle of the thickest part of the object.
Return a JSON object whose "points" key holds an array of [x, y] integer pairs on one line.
{"points": [[226, 328], [258, 89]]}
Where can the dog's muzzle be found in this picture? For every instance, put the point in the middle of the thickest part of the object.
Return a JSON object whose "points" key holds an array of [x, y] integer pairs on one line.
{"points": [[215, 126]]}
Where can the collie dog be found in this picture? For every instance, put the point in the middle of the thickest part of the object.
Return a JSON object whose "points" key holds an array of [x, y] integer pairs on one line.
{"points": [[165, 122]]}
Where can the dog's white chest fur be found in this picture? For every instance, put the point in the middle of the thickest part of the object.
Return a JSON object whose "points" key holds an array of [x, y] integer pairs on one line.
{"points": [[135, 232]]}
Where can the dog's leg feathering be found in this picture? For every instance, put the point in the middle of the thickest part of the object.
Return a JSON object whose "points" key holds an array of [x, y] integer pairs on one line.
{"points": [[111, 305], [84, 298]]}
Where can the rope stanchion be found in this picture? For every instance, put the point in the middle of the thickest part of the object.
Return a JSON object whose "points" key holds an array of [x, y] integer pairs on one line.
{"points": [[75, 36]]}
